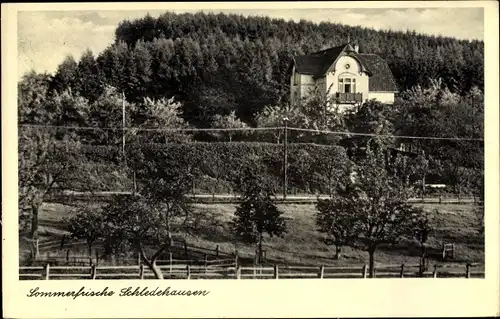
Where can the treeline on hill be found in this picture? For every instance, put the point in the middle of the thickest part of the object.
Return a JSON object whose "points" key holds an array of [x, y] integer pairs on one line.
{"points": [[217, 64]]}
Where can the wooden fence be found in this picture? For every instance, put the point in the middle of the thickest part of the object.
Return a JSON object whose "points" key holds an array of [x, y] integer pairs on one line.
{"points": [[228, 269]]}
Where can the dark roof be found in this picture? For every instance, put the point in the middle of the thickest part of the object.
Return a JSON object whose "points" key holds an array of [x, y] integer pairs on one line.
{"points": [[308, 64], [382, 78], [318, 63]]}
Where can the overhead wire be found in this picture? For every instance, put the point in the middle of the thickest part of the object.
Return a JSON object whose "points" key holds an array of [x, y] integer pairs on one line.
{"points": [[137, 129]]}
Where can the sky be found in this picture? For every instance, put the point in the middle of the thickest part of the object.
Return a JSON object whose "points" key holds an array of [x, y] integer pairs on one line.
{"points": [[46, 37]]}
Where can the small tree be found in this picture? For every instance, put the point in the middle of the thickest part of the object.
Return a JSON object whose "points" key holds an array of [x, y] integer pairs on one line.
{"points": [[87, 224], [141, 225], [228, 122], [148, 223], [422, 231], [335, 219], [328, 168], [257, 214], [163, 114], [379, 204]]}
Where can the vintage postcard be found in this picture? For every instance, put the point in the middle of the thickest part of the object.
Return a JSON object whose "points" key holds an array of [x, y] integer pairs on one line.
{"points": [[280, 159]]}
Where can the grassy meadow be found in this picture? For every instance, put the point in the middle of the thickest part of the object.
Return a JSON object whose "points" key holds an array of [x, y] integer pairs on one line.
{"points": [[303, 245]]}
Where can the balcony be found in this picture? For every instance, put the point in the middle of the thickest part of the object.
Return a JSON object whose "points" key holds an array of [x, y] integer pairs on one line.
{"points": [[349, 98]]}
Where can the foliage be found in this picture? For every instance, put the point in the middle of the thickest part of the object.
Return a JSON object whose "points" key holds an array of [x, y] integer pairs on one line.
{"points": [[148, 222], [44, 168], [162, 115], [225, 161], [371, 117], [133, 223], [228, 122], [376, 203], [257, 214], [437, 112], [87, 224], [335, 219], [31, 98]]}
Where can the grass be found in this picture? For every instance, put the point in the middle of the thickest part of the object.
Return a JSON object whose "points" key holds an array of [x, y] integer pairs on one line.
{"points": [[302, 245]]}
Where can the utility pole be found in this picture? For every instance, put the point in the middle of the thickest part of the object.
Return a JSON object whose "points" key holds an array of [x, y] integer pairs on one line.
{"points": [[123, 124], [285, 158]]}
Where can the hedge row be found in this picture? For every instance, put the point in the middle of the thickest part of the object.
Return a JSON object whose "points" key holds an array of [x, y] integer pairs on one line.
{"points": [[311, 168]]}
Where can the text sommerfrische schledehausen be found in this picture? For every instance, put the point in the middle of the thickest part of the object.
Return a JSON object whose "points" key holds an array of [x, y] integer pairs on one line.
{"points": [[124, 292]]}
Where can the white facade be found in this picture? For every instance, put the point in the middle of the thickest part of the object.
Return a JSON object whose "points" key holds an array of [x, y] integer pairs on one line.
{"points": [[347, 69], [347, 79], [383, 97]]}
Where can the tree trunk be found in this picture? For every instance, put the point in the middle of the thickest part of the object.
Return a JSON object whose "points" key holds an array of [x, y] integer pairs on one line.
{"points": [[338, 252], [371, 252], [330, 188], [260, 248], [423, 187], [89, 247], [152, 265], [422, 259], [156, 271], [35, 208]]}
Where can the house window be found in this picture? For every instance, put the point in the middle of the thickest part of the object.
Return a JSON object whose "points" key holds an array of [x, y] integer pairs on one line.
{"points": [[347, 85], [296, 78]]}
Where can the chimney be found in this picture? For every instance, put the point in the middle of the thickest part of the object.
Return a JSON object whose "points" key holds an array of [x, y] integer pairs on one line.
{"points": [[356, 48]]}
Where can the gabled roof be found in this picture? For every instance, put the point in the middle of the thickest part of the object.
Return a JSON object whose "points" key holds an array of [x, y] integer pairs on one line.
{"points": [[318, 63], [382, 79]]}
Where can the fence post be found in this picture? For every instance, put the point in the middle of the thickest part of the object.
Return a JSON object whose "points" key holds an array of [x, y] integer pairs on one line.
{"points": [[96, 257], [364, 273], [238, 272], [138, 258], [67, 255], [47, 271], [467, 271], [276, 275], [206, 263], [36, 248], [444, 252], [170, 260], [141, 271], [188, 270], [63, 239], [402, 273], [217, 251], [254, 267], [321, 271], [90, 260], [236, 259], [93, 272], [435, 272]]}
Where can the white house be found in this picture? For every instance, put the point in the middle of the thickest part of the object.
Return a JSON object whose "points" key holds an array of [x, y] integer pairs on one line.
{"points": [[350, 76]]}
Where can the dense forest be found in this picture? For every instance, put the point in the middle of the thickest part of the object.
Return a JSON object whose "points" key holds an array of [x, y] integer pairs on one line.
{"points": [[216, 64]]}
